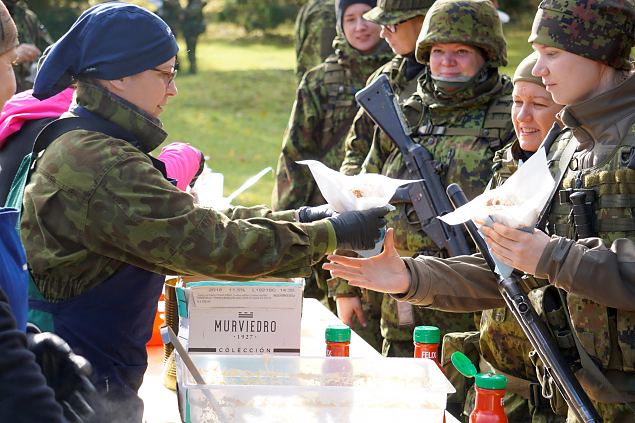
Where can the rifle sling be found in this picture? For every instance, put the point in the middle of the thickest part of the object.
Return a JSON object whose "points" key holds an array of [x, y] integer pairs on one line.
{"points": [[563, 164]]}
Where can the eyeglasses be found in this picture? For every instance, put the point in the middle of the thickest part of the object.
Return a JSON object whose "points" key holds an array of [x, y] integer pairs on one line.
{"points": [[391, 27], [169, 75]]}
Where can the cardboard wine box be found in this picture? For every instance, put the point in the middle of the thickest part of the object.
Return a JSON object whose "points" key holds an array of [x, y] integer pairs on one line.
{"points": [[241, 318]]}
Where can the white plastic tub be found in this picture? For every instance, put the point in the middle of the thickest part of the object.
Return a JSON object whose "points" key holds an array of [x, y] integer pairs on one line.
{"points": [[312, 389]]}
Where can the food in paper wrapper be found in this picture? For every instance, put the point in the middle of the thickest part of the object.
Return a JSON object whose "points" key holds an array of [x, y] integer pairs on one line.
{"points": [[358, 192], [517, 203]]}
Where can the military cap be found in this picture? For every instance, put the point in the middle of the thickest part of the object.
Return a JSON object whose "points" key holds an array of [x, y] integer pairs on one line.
{"points": [[523, 71], [471, 22], [391, 12], [600, 30]]}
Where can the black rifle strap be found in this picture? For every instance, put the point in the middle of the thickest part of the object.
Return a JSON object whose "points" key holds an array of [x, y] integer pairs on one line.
{"points": [[561, 168]]}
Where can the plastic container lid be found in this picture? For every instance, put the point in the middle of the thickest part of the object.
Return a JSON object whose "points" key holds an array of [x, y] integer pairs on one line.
{"points": [[338, 333], [490, 381], [483, 380], [426, 335]]}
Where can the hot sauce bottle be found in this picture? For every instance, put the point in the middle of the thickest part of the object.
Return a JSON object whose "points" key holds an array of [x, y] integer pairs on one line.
{"points": [[338, 339]]}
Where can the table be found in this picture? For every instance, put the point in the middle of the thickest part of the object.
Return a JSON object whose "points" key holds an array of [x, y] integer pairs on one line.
{"points": [[161, 404]]}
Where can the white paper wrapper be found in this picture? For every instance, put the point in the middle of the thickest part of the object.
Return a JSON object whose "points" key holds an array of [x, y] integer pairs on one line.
{"points": [[517, 203], [358, 192]]}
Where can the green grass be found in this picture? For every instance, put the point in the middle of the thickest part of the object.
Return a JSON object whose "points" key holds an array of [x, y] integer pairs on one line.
{"points": [[237, 107]]}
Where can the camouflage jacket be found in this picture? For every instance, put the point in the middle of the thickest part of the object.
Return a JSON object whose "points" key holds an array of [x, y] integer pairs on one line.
{"points": [[320, 119], [360, 137], [30, 31], [603, 318], [314, 35], [95, 203], [462, 135]]}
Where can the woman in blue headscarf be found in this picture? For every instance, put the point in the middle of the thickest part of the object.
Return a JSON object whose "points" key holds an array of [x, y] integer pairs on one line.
{"points": [[101, 223]]}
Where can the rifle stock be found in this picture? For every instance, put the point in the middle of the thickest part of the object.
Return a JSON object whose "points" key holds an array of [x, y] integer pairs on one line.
{"points": [[428, 196], [533, 327]]}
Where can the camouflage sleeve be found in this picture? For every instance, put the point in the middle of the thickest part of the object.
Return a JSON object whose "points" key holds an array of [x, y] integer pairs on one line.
{"points": [[240, 212], [153, 225], [358, 143], [460, 284], [577, 266], [294, 183]]}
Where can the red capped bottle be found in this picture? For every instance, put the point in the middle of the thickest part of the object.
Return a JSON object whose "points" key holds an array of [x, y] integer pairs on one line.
{"points": [[426, 340], [338, 339], [490, 390]]}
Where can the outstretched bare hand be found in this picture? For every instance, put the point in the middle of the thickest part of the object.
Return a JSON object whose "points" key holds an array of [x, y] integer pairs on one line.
{"points": [[385, 272]]}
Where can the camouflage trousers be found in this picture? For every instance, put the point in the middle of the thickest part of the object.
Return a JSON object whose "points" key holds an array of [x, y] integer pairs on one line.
{"points": [[398, 320], [316, 286], [371, 304]]}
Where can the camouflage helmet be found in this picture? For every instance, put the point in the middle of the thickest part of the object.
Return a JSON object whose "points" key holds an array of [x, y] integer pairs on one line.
{"points": [[523, 71], [601, 30], [391, 12], [471, 22]]}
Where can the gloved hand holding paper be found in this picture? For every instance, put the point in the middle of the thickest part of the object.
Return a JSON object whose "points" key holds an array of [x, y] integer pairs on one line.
{"points": [[517, 203], [359, 192]]}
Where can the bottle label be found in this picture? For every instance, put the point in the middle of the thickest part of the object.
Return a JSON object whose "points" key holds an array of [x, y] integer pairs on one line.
{"points": [[429, 354]]}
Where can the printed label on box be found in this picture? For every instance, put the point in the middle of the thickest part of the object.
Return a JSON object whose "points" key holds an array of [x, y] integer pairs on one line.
{"points": [[244, 317]]}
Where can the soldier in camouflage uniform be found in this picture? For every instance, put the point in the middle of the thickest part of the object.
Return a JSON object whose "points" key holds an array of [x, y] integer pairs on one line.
{"points": [[401, 23], [34, 39], [462, 121], [583, 60], [193, 26], [314, 35], [322, 114], [102, 225]]}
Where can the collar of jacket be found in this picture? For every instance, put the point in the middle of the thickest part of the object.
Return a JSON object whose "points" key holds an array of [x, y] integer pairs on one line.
{"points": [[475, 95], [605, 118], [348, 55], [104, 104]]}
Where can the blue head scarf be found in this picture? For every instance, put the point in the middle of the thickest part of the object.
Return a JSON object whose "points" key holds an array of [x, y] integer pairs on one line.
{"points": [[108, 41]]}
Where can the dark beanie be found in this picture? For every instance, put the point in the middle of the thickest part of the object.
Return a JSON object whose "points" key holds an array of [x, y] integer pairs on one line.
{"points": [[108, 41], [342, 5]]}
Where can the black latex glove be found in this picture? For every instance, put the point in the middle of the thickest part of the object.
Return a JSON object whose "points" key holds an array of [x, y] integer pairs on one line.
{"points": [[358, 230], [311, 214], [65, 372]]}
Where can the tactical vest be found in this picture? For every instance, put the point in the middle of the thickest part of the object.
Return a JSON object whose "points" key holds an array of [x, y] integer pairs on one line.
{"points": [[475, 146], [610, 186], [494, 128], [395, 71]]}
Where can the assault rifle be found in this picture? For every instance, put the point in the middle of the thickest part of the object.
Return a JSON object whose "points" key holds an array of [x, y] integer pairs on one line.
{"points": [[428, 195], [534, 328]]}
